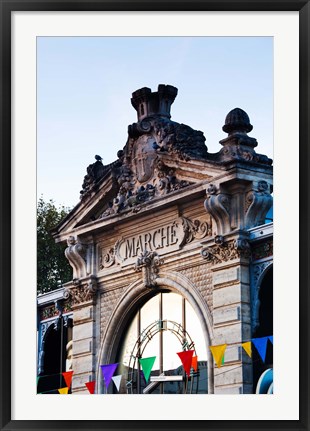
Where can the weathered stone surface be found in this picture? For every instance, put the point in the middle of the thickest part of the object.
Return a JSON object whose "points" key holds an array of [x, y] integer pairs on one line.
{"points": [[231, 295], [83, 364], [83, 314], [81, 332], [83, 346], [225, 315]]}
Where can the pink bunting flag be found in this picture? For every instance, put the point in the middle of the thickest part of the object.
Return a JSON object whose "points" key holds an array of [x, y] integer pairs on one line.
{"points": [[186, 359], [67, 375], [91, 386], [107, 372]]}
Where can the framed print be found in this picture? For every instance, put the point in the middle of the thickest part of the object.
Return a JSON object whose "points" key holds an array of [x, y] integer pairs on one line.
{"points": [[150, 155]]}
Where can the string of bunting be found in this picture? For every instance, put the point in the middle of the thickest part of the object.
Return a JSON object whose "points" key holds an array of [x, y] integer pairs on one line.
{"points": [[188, 359]]}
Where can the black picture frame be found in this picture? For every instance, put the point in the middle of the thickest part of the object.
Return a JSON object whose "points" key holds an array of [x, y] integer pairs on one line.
{"points": [[9, 6]]}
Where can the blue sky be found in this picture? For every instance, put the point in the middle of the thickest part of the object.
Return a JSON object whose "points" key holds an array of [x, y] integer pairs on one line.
{"points": [[84, 86]]}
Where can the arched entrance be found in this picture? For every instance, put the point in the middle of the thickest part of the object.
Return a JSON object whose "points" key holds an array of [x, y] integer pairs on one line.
{"points": [[125, 322]]}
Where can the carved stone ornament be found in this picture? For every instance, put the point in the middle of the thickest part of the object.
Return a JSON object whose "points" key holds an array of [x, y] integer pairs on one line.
{"points": [[257, 203], [195, 229], [81, 291], [218, 205], [148, 264], [76, 255], [227, 251], [107, 258]]}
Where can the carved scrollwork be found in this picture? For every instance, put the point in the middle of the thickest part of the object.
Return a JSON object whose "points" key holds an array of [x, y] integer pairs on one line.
{"points": [[226, 251], [81, 291], [148, 264], [195, 229], [257, 203], [218, 205], [107, 259]]}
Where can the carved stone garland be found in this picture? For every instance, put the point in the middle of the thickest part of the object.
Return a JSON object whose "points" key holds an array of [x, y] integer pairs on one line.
{"points": [[226, 251], [81, 291]]}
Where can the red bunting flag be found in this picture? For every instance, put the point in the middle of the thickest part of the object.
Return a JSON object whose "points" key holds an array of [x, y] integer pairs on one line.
{"points": [[186, 359], [67, 375], [91, 386]]}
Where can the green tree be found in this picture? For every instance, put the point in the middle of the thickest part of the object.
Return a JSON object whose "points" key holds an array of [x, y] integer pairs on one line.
{"points": [[53, 268]]}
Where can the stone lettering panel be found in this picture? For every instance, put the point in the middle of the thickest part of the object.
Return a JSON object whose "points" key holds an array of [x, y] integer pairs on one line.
{"points": [[162, 240]]}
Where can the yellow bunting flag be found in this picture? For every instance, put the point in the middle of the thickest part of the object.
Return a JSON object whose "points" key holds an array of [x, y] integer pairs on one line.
{"points": [[218, 353], [63, 390], [248, 348]]}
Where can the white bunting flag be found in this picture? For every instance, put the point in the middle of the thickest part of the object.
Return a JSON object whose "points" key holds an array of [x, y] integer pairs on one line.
{"points": [[117, 381]]}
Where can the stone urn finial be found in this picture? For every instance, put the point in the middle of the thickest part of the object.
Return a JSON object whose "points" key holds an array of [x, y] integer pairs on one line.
{"points": [[237, 121]]}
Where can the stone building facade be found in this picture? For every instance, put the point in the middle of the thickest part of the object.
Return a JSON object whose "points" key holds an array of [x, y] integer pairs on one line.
{"points": [[167, 217]]}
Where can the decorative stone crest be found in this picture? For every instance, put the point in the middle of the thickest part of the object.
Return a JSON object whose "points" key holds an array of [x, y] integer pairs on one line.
{"points": [[148, 264], [81, 291], [226, 251]]}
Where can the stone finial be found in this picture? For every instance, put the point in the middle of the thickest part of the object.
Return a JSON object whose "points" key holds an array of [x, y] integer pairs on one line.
{"points": [[237, 121], [148, 103]]}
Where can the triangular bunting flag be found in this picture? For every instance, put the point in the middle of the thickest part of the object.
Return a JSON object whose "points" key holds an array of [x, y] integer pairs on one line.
{"points": [[261, 346], [271, 338], [186, 359], [107, 372], [91, 386], [63, 390], [248, 348], [117, 381], [68, 377], [195, 362], [147, 365], [38, 378], [218, 353]]}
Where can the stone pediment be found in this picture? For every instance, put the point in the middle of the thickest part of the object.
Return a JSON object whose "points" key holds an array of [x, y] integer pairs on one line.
{"points": [[160, 158]]}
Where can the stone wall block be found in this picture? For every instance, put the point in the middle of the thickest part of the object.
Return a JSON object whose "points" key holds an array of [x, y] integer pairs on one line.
{"points": [[83, 314], [81, 332], [83, 364], [82, 346], [228, 375], [225, 315], [231, 390], [230, 295]]}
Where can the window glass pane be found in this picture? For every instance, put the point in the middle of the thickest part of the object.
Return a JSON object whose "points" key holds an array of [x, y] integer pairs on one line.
{"points": [[194, 330], [149, 325], [172, 307]]}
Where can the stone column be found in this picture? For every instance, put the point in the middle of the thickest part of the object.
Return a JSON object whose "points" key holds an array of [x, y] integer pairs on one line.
{"points": [[83, 297], [231, 313]]}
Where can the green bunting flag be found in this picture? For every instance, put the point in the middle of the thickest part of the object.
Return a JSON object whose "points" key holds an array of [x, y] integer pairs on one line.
{"points": [[147, 365]]}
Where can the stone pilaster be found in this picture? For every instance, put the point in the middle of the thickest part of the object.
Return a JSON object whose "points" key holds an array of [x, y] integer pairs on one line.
{"points": [[231, 312], [83, 296]]}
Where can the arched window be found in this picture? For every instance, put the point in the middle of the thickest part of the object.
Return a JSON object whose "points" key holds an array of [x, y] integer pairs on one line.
{"points": [[163, 326], [57, 356], [265, 327]]}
